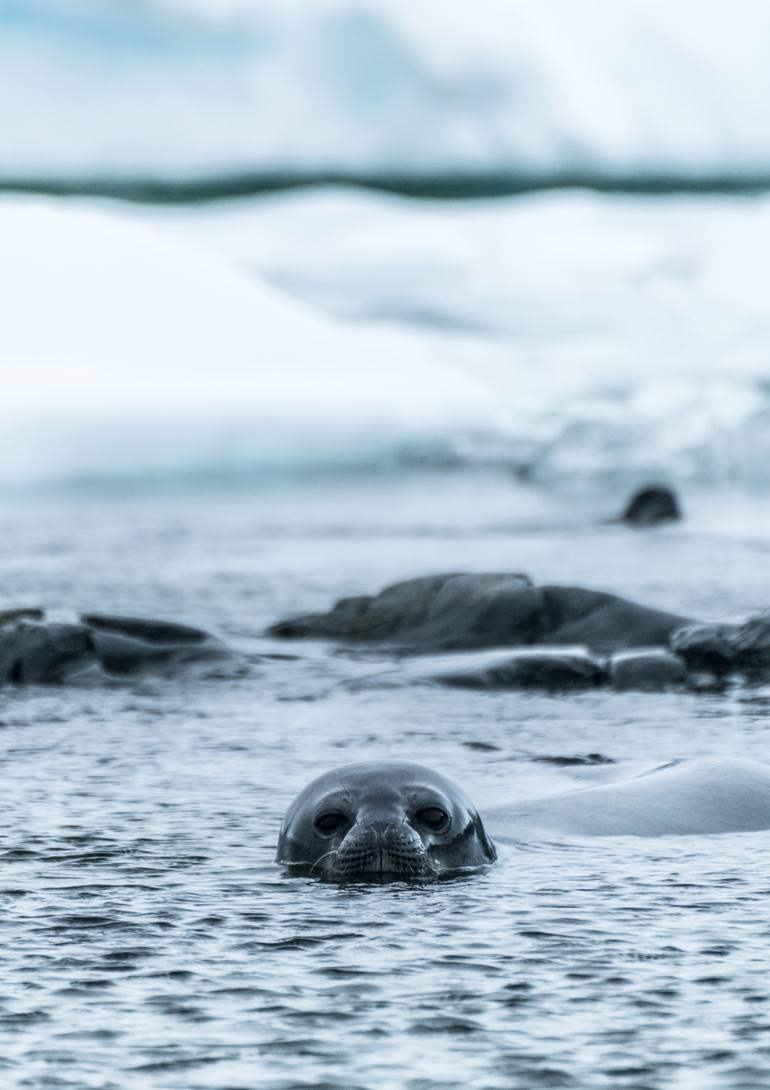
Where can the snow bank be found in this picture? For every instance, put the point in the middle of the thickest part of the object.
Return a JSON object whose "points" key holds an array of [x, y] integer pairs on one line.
{"points": [[124, 352], [570, 336]]}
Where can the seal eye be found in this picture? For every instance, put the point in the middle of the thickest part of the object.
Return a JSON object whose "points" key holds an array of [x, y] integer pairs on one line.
{"points": [[433, 817], [329, 823]]}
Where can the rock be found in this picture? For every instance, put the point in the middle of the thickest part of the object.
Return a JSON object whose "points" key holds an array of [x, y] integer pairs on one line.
{"points": [[128, 645], [705, 647], [408, 605], [751, 643], [10, 616], [650, 506], [538, 668], [32, 652], [466, 612], [656, 668], [49, 653]]}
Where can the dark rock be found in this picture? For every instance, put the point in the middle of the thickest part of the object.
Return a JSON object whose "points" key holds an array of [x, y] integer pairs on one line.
{"points": [[531, 669], [650, 506], [656, 668], [141, 628], [129, 645], [10, 616], [409, 605], [50, 653], [44, 652], [569, 762], [464, 612], [751, 643], [705, 647]]}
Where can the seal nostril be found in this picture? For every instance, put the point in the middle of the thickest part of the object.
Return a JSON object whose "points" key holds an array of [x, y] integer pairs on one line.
{"points": [[331, 822]]}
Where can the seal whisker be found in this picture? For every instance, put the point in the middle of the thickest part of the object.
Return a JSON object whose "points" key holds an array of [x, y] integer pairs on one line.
{"points": [[321, 858]]}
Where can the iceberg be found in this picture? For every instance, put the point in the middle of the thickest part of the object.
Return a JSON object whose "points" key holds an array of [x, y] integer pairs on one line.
{"points": [[191, 98]]}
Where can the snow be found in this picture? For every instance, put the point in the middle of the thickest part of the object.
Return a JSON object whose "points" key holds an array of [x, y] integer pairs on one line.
{"points": [[564, 335]]}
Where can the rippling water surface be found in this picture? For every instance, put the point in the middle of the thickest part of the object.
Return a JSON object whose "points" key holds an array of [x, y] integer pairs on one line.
{"points": [[150, 940]]}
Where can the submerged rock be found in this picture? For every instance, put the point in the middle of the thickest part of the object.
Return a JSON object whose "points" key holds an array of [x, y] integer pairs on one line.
{"points": [[655, 668], [539, 668]]}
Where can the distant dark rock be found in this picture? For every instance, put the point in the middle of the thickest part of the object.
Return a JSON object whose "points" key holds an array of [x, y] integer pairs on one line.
{"points": [[129, 645], [428, 602], [466, 612], [10, 616], [652, 505], [654, 668], [149, 631], [568, 762], [706, 647], [31, 651], [751, 642], [531, 669]]}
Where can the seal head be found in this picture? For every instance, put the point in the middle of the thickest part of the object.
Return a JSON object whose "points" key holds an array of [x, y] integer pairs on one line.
{"points": [[382, 819]]}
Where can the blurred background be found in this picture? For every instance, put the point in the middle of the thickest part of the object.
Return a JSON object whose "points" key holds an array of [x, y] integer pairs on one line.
{"points": [[280, 237]]}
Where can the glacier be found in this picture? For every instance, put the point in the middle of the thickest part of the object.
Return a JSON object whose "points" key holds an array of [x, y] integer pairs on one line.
{"points": [[174, 90]]}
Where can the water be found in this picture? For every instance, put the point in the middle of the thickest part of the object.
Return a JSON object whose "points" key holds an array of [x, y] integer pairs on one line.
{"points": [[150, 940]]}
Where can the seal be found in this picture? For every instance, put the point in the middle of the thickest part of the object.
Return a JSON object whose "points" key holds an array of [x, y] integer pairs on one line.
{"points": [[383, 818], [391, 819], [682, 798]]}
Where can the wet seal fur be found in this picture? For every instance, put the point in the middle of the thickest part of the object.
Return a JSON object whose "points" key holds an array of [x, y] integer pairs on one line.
{"points": [[383, 818], [373, 820]]}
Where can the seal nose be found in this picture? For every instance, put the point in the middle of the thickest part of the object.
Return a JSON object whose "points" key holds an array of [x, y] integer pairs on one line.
{"points": [[375, 828], [382, 846]]}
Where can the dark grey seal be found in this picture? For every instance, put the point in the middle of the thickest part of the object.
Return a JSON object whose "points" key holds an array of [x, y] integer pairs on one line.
{"points": [[399, 820], [383, 818]]}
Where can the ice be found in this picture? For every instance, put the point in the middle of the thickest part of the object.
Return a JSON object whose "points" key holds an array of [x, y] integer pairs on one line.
{"points": [[123, 351], [368, 87], [564, 336]]}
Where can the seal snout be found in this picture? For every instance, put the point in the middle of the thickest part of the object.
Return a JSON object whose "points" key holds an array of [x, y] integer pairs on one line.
{"points": [[382, 848]]}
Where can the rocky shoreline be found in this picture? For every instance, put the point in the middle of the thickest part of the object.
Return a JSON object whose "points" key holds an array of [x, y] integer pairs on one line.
{"points": [[516, 636]]}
